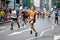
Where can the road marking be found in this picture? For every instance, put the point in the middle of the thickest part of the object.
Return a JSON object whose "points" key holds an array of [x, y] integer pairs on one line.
{"points": [[2, 31], [52, 27], [15, 33], [36, 37], [56, 37], [32, 38], [48, 30], [42, 33], [16, 28]]}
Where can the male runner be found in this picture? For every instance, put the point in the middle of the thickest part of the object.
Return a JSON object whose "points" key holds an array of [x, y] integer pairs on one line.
{"points": [[32, 21], [14, 18]]}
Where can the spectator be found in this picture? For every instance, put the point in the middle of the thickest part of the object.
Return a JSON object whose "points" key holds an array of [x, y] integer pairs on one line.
{"points": [[2, 14], [56, 17]]}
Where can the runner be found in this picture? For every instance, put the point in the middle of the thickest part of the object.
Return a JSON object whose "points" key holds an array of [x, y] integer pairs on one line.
{"points": [[56, 17], [14, 18], [48, 14], [17, 12], [24, 17], [38, 14], [32, 21], [41, 14]]}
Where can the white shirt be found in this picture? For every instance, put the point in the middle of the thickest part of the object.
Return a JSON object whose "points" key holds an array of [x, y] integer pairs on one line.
{"points": [[14, 14]]}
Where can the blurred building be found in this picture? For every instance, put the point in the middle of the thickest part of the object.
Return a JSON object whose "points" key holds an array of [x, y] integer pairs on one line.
{"points": [[43, 4], [46, 4], [56, 3], [26, 2], [15, 3], [0, 3], [11, 4], [4, 3], [37, 3]]}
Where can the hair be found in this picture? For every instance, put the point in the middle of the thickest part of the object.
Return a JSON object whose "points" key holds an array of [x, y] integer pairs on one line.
{"points": [[13, 8]]}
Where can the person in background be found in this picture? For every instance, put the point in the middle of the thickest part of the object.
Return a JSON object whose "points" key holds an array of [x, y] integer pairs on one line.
{"points": [[5, 16], [38, 14], [56, 16], [2, 15], [23, 13], [43, 14], [17, 12], [48, 14]]}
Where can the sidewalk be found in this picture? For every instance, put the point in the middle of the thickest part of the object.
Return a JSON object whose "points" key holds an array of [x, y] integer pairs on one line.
{"points": [[2, 27], [6, 21]]}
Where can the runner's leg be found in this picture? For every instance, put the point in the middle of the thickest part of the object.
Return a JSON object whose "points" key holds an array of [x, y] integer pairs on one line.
{"points": [[11, 25], [32, 28]]}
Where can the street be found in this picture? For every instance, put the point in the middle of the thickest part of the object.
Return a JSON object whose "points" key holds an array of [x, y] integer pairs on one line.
{"points": [[46, 12], [46, 29]]}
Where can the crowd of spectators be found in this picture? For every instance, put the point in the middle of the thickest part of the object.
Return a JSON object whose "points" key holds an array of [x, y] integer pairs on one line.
{"points": [[4, 14]]}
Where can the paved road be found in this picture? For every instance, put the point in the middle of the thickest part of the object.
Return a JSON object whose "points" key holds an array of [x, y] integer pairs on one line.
{"points": [[46, 29]]}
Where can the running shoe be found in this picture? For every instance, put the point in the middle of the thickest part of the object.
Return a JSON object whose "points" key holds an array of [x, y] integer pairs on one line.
{"points": [[36, 34], [30, 32]]}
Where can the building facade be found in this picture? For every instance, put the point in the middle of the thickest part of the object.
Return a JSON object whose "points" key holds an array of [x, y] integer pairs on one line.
{"points": [[56, 3], [45, 4], [13, 3], [0, 3], [3, 3], [37, 3], [26, 2]]}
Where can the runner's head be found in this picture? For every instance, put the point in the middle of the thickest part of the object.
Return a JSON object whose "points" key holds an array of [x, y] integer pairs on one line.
{"points": [[13, 9], [32, 9], [29, 8]]}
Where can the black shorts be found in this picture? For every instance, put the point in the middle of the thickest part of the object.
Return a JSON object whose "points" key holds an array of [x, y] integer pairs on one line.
{"points": [[32, 22], [49, 16], [24, 18], [14, 19], [56, 18]]}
